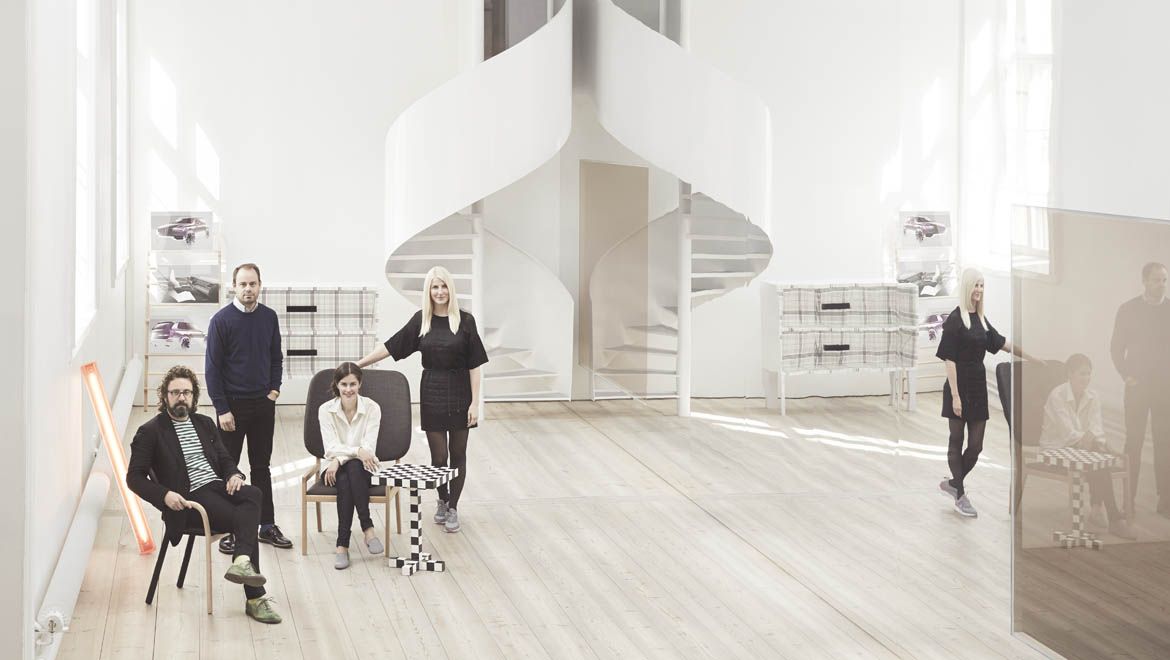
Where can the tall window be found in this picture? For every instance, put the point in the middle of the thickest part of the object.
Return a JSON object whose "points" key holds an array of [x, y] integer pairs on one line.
{"points": [[1029, 124], [85, 201]]}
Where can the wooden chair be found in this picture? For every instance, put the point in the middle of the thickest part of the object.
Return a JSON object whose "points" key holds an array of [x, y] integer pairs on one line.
{"points": [[391, 391], [1024, 387], [191, 531]]}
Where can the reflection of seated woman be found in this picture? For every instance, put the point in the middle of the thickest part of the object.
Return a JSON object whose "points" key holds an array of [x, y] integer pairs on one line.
{"points": [[1072, 418], [349, 433]]}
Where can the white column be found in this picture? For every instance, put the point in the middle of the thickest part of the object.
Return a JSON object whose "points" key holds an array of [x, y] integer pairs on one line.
{"points": [[683, 359]]}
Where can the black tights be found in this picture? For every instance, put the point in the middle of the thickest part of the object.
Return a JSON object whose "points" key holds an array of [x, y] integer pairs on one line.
{"points": [[962, 461], [438, 440]]}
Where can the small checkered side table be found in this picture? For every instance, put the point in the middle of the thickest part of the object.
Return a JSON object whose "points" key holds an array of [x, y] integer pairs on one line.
{"points": [[1078, 462], [415, 478]]}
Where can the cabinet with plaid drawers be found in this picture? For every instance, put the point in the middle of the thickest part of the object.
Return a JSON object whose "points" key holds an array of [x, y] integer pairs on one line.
{"points": [[826, 328], [321, 327]]}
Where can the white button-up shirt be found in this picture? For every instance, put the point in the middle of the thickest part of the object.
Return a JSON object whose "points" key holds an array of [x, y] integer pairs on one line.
{"points": [[1066, 421], [343, 438]]}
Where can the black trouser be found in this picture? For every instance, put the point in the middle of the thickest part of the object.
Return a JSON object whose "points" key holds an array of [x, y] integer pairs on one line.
{"points": [[1148, 402], [240, 513], [959, 460], [353, 493], [256, 420], [1101, 492]]}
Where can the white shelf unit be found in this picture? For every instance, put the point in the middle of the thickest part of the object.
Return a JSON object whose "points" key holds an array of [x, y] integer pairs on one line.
{"points": [[322, 327], [839, 327]]}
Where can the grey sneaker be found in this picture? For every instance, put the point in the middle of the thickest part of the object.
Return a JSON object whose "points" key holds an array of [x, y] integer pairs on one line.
{"points": [[441, 512], [1121, 528], [947, 489], [341, 561], [963, 506], [375, 547], [1097, 518], [452, 524]]}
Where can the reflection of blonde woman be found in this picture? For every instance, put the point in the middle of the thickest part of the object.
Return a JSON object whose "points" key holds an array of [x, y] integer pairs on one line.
{"points": [[967, 337], [449, 395]]}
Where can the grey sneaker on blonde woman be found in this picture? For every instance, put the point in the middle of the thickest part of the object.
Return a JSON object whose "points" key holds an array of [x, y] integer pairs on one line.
{"points": [[441, 512], [963, 506], [452, 524], [341, 561]]}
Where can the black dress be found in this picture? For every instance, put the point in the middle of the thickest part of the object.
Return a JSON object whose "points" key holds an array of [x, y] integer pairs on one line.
{"points": [[447, 358], [967, 347]]}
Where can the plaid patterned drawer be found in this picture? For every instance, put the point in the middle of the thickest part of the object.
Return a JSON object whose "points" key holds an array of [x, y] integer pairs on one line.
{"points": [[849, 305], [848, 349]]}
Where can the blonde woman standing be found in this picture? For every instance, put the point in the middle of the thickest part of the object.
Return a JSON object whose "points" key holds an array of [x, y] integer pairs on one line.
{"points": [[966, 339], [449, 395]]}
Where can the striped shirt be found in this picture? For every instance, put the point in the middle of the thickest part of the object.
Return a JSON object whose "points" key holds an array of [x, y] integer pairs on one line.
{"points": [[199, 471]]}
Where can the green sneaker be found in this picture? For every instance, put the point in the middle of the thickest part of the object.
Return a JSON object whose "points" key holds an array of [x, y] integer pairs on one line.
{"points": [[262, 610], [242, 572]]}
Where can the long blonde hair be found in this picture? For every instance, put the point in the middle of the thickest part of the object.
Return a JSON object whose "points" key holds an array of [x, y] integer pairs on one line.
{"points": [[971, 277], [428, 305]]}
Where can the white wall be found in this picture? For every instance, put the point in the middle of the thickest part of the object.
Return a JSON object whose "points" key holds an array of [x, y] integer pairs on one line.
{"points": [[863, 97], [294, 100], [15, 609], [59, 431], [1110, 135]]}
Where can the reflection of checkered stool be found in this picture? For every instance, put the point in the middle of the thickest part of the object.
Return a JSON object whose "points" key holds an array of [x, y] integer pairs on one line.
{"points": [[414, 478], [1078, 462]]}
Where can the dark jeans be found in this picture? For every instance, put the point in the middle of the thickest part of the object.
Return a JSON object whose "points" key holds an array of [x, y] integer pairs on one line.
{"points": [[239, 513], [255, 420], [1148, 402], [353, 493]]}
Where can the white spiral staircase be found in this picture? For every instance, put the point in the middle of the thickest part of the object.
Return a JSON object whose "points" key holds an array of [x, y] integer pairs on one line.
{"points": [[503, 118], [471, 137], [635, 347]]}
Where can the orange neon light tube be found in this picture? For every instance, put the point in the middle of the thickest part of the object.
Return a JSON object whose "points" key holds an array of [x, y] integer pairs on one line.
{"points": [[105, 419]]}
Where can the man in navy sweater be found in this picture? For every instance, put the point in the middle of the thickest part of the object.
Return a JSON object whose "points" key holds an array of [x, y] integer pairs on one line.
{"points": [[243, 365], [1141, 353]]}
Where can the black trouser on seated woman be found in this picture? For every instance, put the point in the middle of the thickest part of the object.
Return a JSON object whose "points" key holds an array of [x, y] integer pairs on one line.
{"points": [[353, 493], [238, 513], [961, 461]]}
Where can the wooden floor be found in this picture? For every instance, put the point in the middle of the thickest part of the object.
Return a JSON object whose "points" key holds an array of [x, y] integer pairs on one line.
{"points": [[616, 530]]}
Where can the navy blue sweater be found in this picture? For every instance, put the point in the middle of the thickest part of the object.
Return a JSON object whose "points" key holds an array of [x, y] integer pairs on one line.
{"points": [[243, 359]]}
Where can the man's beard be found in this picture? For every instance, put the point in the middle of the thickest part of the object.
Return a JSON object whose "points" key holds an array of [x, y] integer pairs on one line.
{"points": [[179, 410]]}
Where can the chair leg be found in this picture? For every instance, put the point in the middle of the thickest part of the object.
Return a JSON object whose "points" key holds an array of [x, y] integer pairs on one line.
{"points": [[319, 517], [186, 560], [397, 512], [304, 527], [162, 554], [207, 561], [386, 528]]}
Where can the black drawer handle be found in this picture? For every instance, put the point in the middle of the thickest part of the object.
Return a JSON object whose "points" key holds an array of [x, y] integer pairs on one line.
{"points": [[843, 305], [836, 347], [302, 352], [300, 308]]}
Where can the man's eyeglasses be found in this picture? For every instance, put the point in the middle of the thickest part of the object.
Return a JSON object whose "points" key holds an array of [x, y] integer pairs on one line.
{"points": [[185, 394]]}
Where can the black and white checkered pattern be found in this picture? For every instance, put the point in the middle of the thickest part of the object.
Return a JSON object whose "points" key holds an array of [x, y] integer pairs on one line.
{"points": [[416, 477], [1078, 461]]}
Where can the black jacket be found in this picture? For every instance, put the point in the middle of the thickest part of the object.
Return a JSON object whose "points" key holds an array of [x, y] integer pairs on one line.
{"points": [[157, 465]]}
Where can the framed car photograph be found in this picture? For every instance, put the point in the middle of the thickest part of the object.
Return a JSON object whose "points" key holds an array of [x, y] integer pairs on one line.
{"points": [[184, 278], [925, 229], [189, 230], [179, 331], [934, 279], [933, 313]]}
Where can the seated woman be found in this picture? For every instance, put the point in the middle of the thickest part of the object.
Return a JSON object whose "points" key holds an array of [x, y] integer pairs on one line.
{"points": [[1072, 418], [349, 433]]}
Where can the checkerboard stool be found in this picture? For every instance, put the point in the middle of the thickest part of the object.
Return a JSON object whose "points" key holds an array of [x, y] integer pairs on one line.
{"points": [[415, 478], [1078, 462]]}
